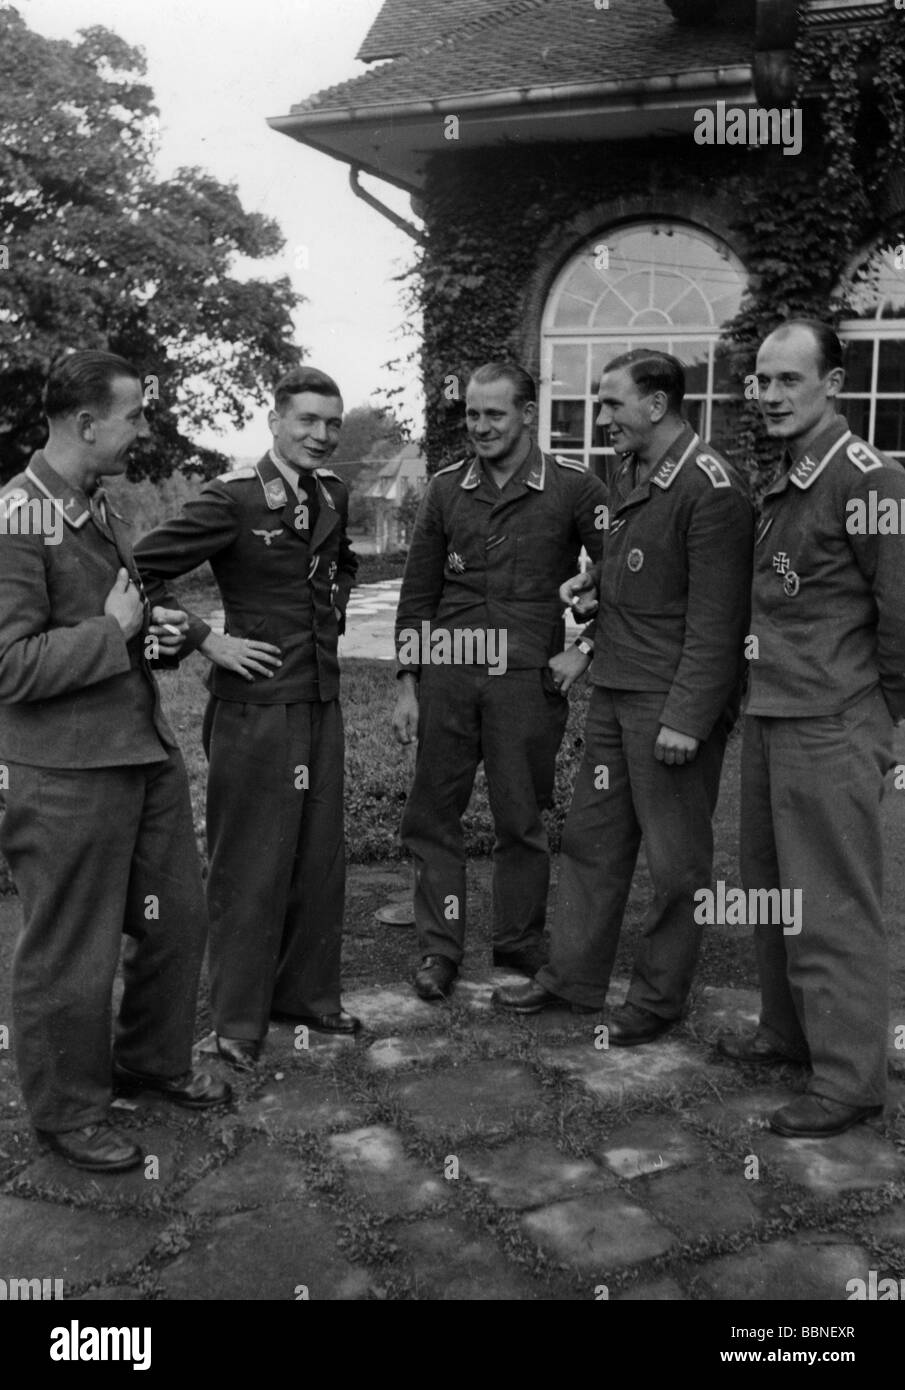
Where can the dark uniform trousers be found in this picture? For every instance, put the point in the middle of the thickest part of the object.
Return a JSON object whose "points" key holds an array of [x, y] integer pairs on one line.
{"points": [[514, 722], [276, 889], [96, 853], [819, 988], [623, 795]]}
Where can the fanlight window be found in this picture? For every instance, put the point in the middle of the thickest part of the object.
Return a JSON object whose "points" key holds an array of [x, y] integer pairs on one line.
{"points": [[659, 285], [873, 397]]}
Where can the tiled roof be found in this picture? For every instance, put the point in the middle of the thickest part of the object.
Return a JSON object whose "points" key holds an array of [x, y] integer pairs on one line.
{"points": [[403, 25], [527, 43]]}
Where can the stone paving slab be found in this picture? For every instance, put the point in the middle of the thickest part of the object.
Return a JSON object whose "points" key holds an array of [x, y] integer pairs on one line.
{"points": [[704, 1202], [613, 1073], [747, 1110], [175, 1154], [857, 1160], [378, 1169], [298, 1105], [288, 1251], [806, 1266], [260, 1176], [113, 1293], [393, 1054], [41, 1240], [530, 1172], [381, 1008], [649, 1145], [482, 1096], [657, 1291], [598, 1232], [449, 1261]]}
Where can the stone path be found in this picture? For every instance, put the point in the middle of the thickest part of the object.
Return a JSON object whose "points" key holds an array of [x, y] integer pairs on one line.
{"points": [[453, 1153]]}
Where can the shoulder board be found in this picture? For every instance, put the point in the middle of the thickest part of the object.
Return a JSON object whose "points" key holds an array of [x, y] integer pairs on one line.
{"points": [[450, 468], [235, 475], [570, 463], [862, 456], [710, 464]]}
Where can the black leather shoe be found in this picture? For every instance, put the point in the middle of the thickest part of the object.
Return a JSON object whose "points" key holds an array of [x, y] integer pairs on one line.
{"points": [[100, 1148], [241, 1053], [757, 1050], [323, 1023], [193, 1089], [531, 998], [815, 1117], [527, 962], [434, 977], [631, 1026]]}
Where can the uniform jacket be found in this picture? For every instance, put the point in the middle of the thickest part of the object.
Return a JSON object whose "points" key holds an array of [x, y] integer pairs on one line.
{"points": [[828, 607], [483, 559], [73, 692], [674, 585], [279, 581]]}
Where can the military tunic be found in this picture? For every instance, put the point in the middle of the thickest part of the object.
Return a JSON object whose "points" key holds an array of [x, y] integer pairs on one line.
{"points": [[674, 587], [98, 828], [827, 680], [489, 561], [275, 787]]}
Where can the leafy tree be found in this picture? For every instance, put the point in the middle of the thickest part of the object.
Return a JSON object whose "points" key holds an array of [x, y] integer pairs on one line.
{"points": [[368, 433], [96, 251]]}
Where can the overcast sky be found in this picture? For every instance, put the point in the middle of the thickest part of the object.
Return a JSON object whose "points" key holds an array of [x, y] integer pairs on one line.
{"points": [[218, 69]]}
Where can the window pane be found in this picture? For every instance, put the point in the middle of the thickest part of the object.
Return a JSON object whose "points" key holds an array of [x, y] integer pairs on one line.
{"points": [[601, 354], [723, 381], [696, 414], [890, 430], [693, 357], [567, 425], [859, 356], [569, 362], [857, 413], [891, 371], [724, 420]]}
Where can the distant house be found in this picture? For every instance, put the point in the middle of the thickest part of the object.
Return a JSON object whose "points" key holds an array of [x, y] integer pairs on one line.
{"points": [[396, 492], [594, 175]]}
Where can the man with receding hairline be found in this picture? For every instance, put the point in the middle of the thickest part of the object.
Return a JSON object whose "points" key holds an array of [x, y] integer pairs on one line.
{"points": [[827, 682], [98, 829], [673, 587]]}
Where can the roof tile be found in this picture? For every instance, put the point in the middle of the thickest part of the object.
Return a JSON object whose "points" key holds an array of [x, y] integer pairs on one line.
{"points": [[527, 43]]}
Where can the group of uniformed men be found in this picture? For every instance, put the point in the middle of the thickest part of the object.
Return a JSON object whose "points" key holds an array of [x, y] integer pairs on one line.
{"points": [[98, 826]]}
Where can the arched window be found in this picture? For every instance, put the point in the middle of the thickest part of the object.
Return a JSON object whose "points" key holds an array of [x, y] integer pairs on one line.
{"points": [[659, 285], [873, 330]]}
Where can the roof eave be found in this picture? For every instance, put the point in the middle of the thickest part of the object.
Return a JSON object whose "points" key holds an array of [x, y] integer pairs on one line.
{"points": [[336, 131]]}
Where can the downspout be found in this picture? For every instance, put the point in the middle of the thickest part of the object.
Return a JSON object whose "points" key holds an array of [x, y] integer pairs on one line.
{"points": [[398, 221]]}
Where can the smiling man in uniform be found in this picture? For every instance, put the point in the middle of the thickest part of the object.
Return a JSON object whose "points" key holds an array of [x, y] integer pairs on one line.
{"points": [[673, 584], [827, 682], [494, 539], [276, 539]]}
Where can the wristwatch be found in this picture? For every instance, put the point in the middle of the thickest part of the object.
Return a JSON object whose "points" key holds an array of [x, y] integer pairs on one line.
{"points": [[586, 648]]}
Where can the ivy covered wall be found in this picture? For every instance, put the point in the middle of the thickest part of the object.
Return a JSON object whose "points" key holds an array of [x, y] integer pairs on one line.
{"points": [[502, 222]]}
